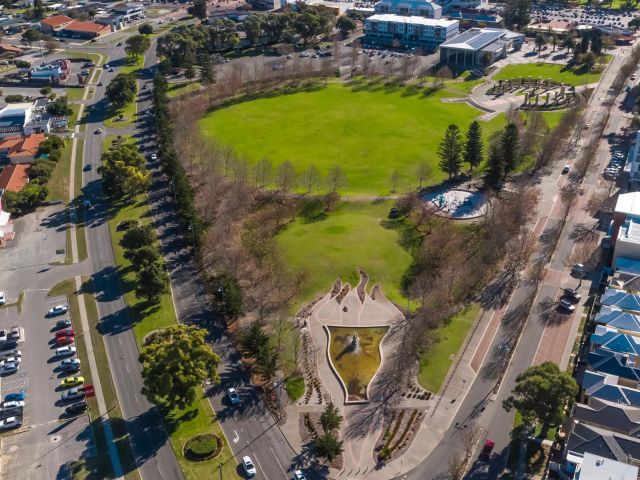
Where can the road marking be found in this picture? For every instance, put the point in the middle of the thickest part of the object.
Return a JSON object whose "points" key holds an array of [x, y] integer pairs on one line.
{"points": [[258, 462], [236, 438], [277, 461]]}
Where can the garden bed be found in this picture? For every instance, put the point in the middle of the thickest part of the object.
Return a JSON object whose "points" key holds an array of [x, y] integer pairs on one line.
{"points": [[203, 447], [399, 429]]}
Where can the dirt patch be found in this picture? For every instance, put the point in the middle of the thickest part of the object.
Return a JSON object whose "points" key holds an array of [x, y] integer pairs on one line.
{"points": [[343, 293], [364, 279], [399, 429]]}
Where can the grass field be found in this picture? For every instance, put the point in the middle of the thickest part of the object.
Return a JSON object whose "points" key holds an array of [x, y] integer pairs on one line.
{"points": [[350, 237], [370, 131], [182, 88], [435, 364], [59, 182], [560, 73]]}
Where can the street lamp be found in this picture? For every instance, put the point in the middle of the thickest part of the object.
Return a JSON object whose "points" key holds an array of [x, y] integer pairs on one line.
{"points": [[193, 237], [174, 189]]}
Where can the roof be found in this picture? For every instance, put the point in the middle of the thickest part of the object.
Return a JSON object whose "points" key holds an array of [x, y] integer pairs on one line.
{"points": [[14, 177], [616, 318], [413, 20], [552, 26], [614, 363], [475, 39], [611, 339], [627, 265], [605, 387], [621, 299], [10, 48], [609, 415], [628, 203], [27, 146], [8, 142], [56, 20], [86, 27], [594, 467], [629, 231], [598, 441]]}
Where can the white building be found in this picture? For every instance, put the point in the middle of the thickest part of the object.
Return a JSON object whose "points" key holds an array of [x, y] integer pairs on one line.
{"points": [[18, 119], [479, 47], [6, 226], [129, 11], [626, 227], [417, 8], [388, 30], [633, 166], [593, 467]]}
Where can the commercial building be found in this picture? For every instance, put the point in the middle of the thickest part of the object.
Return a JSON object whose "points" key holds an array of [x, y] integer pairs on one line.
{"points": [[55, 24], [479, 47], [389, 30], [128, 11], [63, 26], [266, 5], [17, 119], [54, 72], [625, 230], [409, 8]]}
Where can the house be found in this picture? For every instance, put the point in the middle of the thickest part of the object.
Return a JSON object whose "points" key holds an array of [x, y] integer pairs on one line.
{"points": [[86, 30], [13, 178], [622, 321], [623, 365], [609, 415], [606, 387], [611, 339], [6, 226], [10, 51], [21, 149], [588, 439], [55, 24], [626, 275], [619, 298], [389, 30], [557, 27], [594, 467], [479, 47], [625, 231]]}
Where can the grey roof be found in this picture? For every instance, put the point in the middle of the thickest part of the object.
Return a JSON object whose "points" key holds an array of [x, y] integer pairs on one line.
{"points": [[474, 39], [594, 467], [604, 443], [612, 416]]}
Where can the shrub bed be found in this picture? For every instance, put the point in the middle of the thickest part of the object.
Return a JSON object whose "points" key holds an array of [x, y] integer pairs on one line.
{"points": [[201, 448]]}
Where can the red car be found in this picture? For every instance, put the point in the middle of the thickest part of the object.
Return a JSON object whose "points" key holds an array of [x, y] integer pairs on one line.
{"points": [[65, 333], [65, 340], [485, 454]]}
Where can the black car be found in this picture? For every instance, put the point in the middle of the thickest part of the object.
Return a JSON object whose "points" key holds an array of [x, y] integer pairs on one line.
{"points": [[76, 408], [9, 344], [87, 167]]}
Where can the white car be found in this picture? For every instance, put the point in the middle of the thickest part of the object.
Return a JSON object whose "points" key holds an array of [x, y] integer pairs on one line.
{"points": [[14, 352], [248, 467], [3, 335], [11, 422], [59, 309], [65, 351], [298, 475], [12, 407], [567, 305], [11, 360], [2, 298], [154, 157], [233, 396]]}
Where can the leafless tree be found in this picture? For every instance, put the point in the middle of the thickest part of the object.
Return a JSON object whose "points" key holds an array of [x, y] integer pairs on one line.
{"points": [[240, 168], [310, 178], [423, 172], [395, 180], [263, 171], [336, 179], [286, 176], [444, 73], [228, 156]]}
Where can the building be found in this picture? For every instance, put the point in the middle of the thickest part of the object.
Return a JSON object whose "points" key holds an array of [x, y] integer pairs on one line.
{"points": [[625, 230], [633, 164], [6, 226], [17, 119], [14, 178], [54, 72], [479, 47], [266, 5], [557, 27], [389, 30], [587, 439], [63, 26], [409, 8], [607, 387], [612, 416], [129, 12], [10, 51], [21, 149], [55, 24], [624, 322], [593, 467]]}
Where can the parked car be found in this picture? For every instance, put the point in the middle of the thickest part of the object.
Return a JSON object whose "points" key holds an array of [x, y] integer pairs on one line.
{"points": [[9, 344], [58, 310], [3, 335], [7, 368], [487, 448], [65, 340], [298, 475], [72, 382], [568, 306], [14, 352], [14, 334], [247, 466], [65, 333], [64, 323], [76, 408], [10, 423], [14, 407], [566, 169], [572, 294], [2, 298], [65, 351], [14, 397], [233, 396], [70, 365], [17, 360], [74, 393]]}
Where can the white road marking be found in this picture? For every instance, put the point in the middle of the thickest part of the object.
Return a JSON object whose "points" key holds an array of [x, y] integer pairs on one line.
{"points": [[236, 438], [275, 457], [258, 462]]}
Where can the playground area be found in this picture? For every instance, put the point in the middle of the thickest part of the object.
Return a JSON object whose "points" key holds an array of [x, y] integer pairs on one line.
{"points": [[457, 203]]}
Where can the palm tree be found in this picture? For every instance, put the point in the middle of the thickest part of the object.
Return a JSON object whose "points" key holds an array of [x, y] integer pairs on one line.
{"points": [[541, 41]]}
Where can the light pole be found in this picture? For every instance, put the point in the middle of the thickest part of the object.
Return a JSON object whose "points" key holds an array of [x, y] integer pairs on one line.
{"points": [[174, 189], [193, 237]]}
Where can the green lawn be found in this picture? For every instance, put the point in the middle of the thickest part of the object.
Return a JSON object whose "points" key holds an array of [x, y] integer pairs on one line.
{"points": [[370, 131], [177, 89], [132, 67], [128, 112], [560, 73], [350, 237], [74, 94], [59, 182], [436, 362]]}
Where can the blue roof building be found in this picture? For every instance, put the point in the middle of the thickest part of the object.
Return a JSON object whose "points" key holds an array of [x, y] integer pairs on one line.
{"points": [[619, 319], [605, 387], [611, 339], [621, 299]]}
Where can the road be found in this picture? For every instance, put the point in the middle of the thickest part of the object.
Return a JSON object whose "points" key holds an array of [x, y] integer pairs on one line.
{"points": [[482, 403]]}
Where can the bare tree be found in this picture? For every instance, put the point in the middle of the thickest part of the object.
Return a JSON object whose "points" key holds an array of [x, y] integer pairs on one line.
{"points": [[227, 158], [310, 178], [286, 176], [240, 169], [336, 179], [395, 180], [263, 171], [422, 173], [444, 73]]}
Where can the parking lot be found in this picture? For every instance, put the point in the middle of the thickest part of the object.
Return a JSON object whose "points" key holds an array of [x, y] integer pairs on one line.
{"points": [[48, 440], [598, 17]]}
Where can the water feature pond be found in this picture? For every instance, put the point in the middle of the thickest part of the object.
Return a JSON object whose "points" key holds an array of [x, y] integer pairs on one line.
{"points": [[355, 354]]}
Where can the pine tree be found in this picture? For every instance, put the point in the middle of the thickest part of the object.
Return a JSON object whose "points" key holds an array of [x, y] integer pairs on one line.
{"points": [[207, 73], [450, 150], [494, 166], [509, 145], [473, 148]]}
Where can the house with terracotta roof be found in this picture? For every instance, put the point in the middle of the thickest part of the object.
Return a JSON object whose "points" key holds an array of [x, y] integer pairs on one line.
{"points": [[79, 29], [14, 178], [21, 149], [54, 24], [9, 51]]}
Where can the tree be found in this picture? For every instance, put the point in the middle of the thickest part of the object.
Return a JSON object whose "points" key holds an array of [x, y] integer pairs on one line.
{"points": [[540, 395], [136, 45], [253, 27], [138, 237], [254, 340], [635, 23], [152, 281], [286, 176], [596, 45], [584, 44], [346, 25], [541, 41], [190, 72], [38, 10], [494, 169], [330, 419], [395, 180], [263, 170], [422, 173], [207, 72], [473, 147], [140, 256], [60, 107], [44, 91], [50, 45], [310, 178], [516, 13], [449, 151], [121, 90], [31, 36], [267, 362], [198, 9], [509, 144], [123, 171], [228, 290], [588, 59], [554, 43], [327, 446], [336, 179], [175, 363], [145, 29]]}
